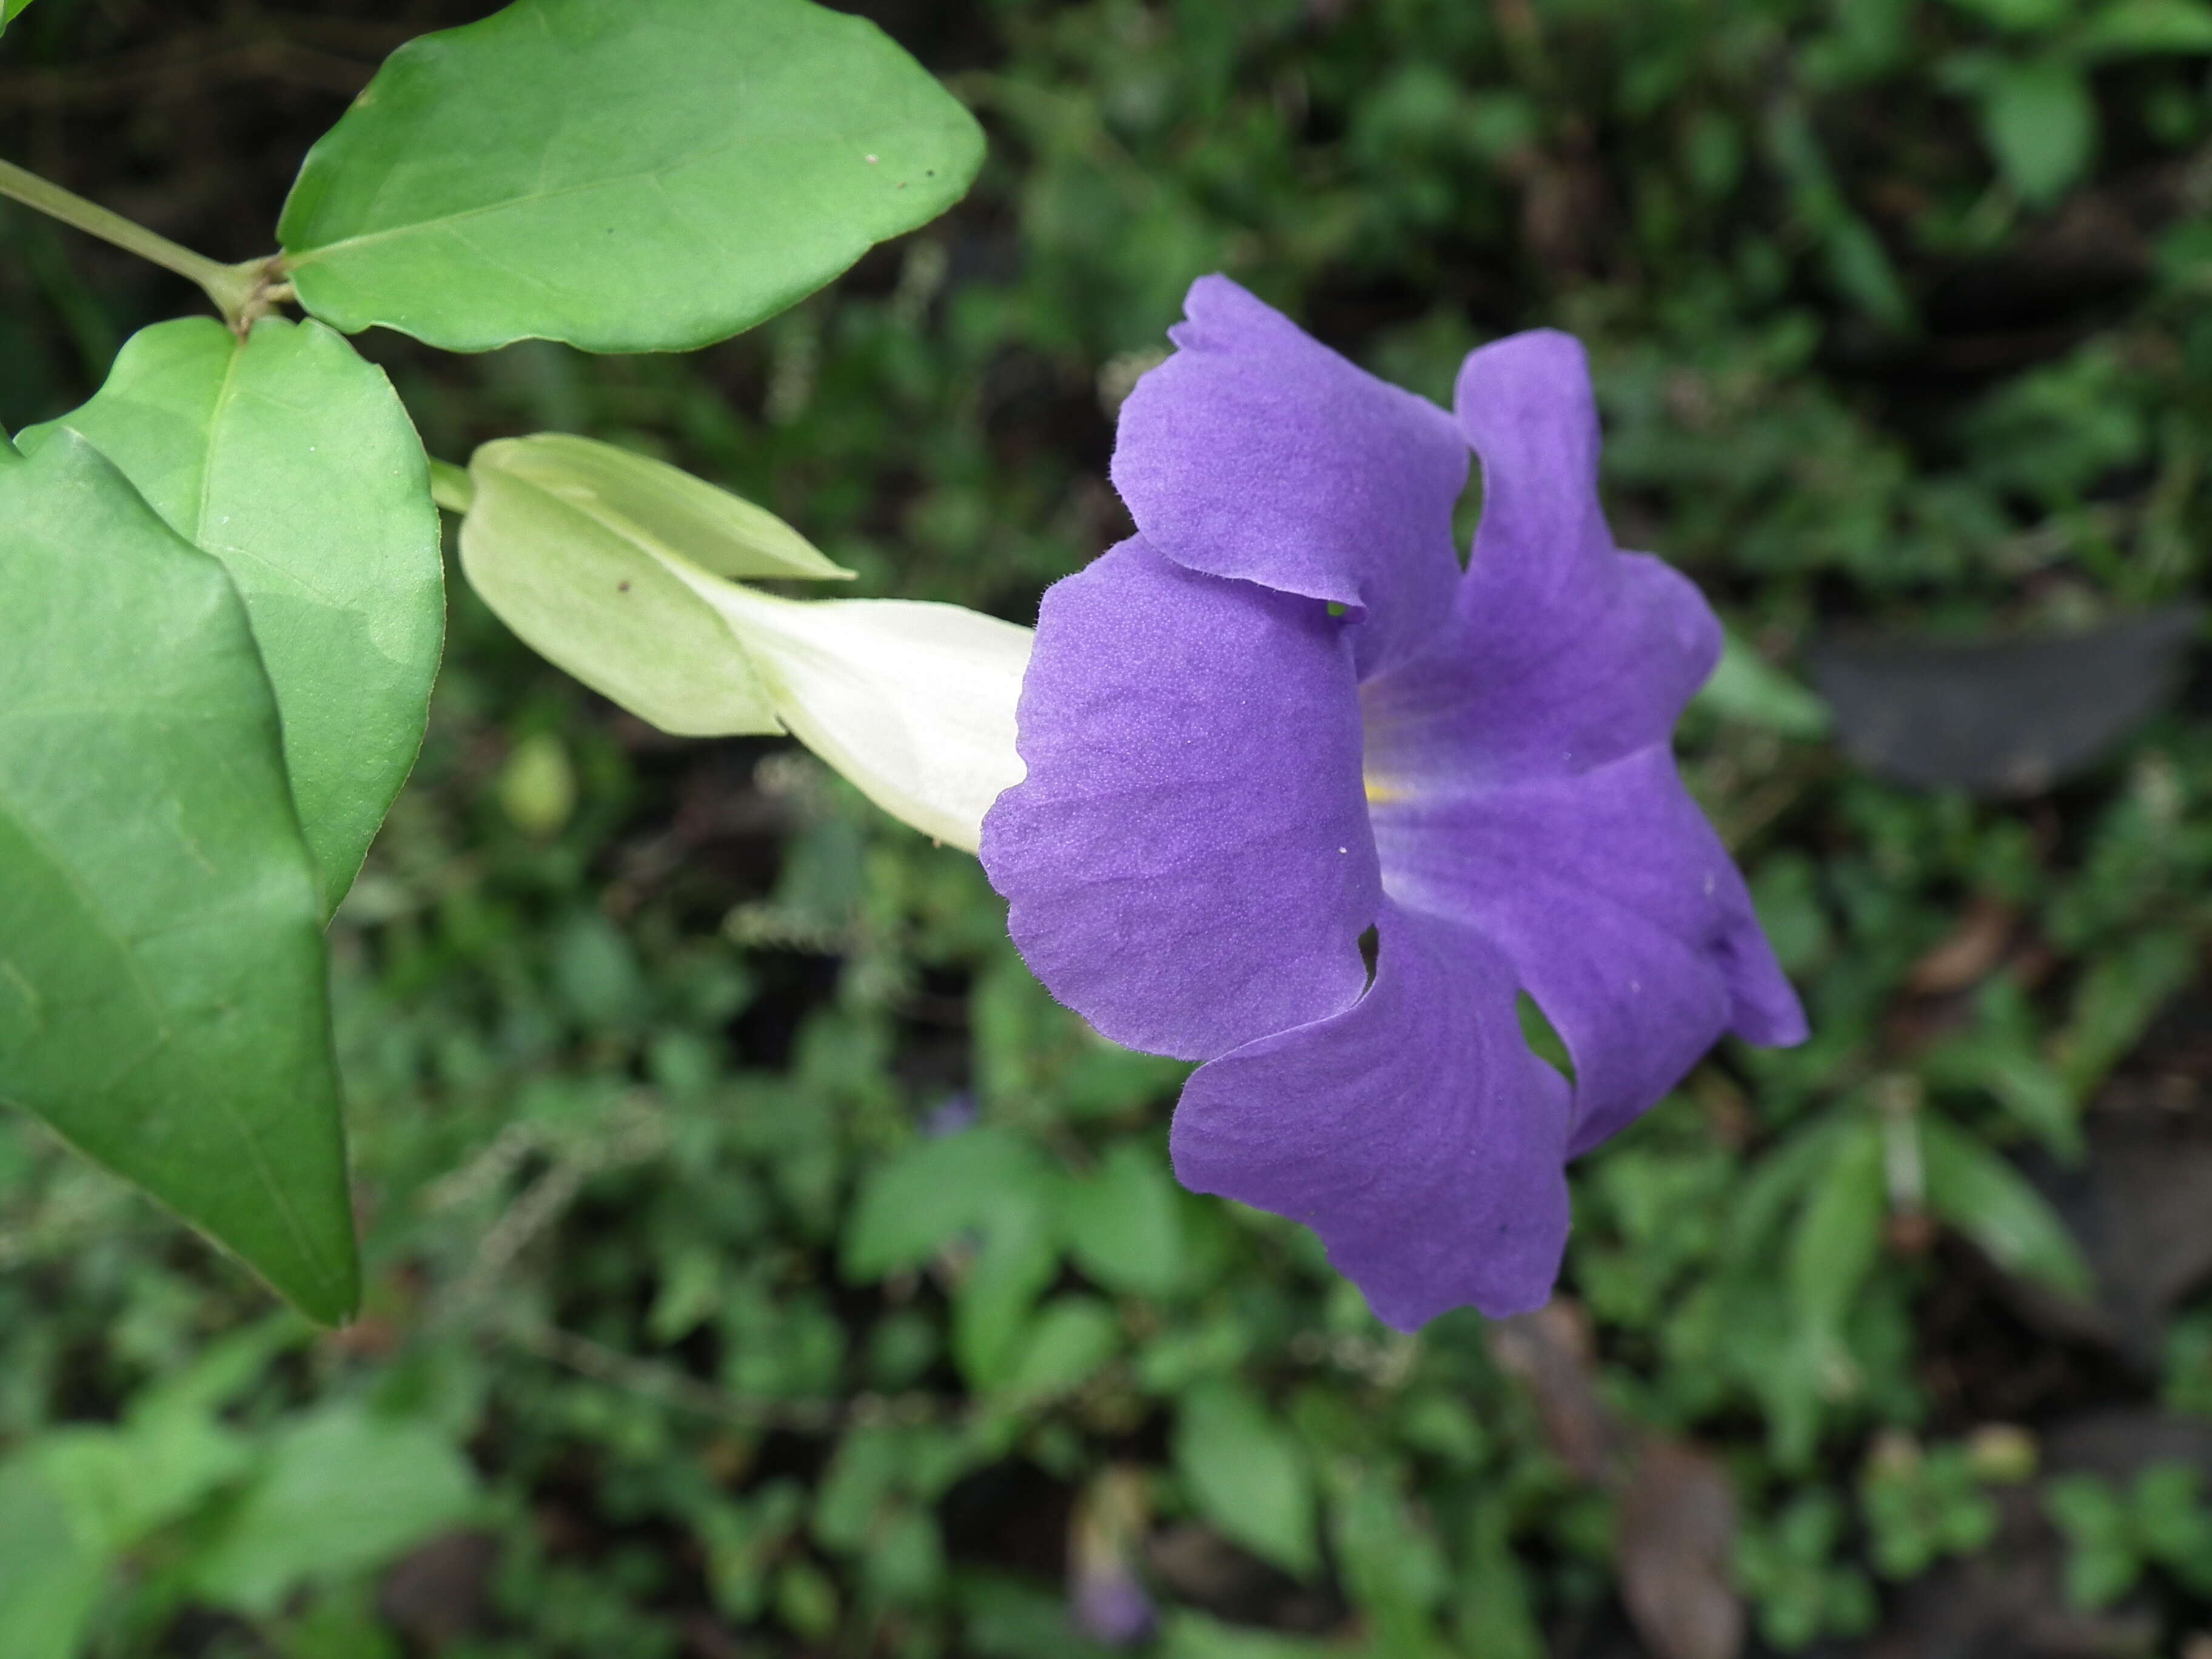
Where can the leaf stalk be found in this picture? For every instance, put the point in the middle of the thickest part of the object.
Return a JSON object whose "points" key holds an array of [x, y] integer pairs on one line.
{"points": [[241, 293]]}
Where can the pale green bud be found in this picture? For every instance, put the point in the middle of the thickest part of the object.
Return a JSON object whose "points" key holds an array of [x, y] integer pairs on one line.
{"points": [[617, 569]]}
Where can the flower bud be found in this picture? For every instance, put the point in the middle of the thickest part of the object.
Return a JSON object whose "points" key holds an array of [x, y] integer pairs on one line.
{"points": [[913, 702], [617, 568]]}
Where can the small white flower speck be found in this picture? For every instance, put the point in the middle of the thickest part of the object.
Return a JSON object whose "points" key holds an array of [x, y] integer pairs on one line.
{"points": [[872, 160]]}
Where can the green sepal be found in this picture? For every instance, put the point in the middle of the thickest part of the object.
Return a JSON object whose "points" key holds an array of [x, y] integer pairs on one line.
{"points": [[575, 576], [661, 508]]}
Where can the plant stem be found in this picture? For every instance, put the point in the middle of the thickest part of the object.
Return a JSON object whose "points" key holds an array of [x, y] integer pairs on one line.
{"points": [[234, 289]]}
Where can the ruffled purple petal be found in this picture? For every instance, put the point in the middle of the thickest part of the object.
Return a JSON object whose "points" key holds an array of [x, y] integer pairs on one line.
{"points": [[1257, 453], [1620, 911], [1187, 862], [1526, 405], [1521, 683], [1563, 654], [1414, 1131]]}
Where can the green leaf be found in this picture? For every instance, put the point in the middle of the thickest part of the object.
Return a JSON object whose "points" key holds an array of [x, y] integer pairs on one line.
{"points": [[1857, 263], [122, 1487], [1747, 689], [54, 1577], [1125, 1226], [910, 1207], [2141, 28], [162, 966], [862, 1479], [2034, 1092], [1393, 1566], [1194, 1636], [1777, 1182], [2116, 996], [625, 175], [1838, 1237], [344, 1490], [2040, 122], [1246, 1475], [2168, 1516], [291, 459], [1977, 1192], [1018, 1261], [2000, 1057], [2102, 1560], [985, 1182], [1491, 1590], [9, 9], [2025, 16], [1070, 1337]]}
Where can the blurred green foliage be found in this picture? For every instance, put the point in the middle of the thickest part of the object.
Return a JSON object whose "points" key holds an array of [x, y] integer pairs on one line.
{"points": [[762, 1264], [2159, 1521]]}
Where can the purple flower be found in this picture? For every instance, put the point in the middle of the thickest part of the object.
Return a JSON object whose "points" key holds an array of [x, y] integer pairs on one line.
{"points": [[1281, 715], [951, 1115], [1109, 1606]]}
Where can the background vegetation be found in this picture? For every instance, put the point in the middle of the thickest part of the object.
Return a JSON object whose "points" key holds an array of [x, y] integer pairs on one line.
{"points": [[762, 1265]]}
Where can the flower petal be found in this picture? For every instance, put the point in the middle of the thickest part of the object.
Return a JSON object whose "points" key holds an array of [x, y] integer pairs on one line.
{"points": [[1520, 682], [1620, 911], [1256, 452], [1414, 1131], [1187, 861], [1562, 655], [1525, 403], [913, 702]]}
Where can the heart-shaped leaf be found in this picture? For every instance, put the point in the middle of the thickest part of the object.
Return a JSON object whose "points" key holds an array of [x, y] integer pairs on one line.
{"points": [[163, 1002], [291, 459], [625, 175]]}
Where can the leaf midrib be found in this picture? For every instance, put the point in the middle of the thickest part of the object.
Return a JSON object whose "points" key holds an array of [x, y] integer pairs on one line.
{"points": [[657, 175]]}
